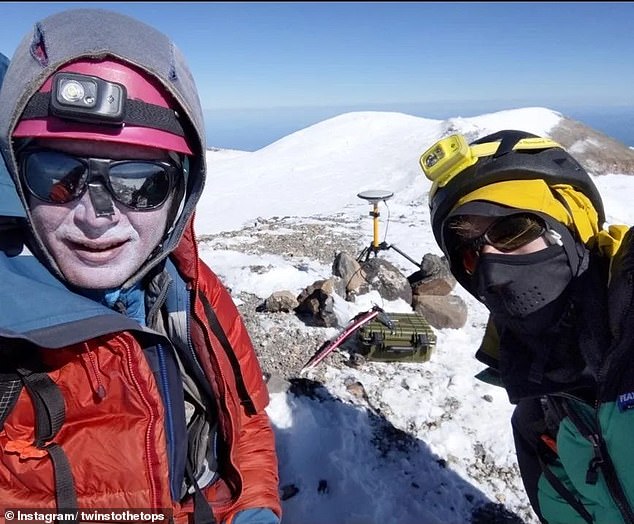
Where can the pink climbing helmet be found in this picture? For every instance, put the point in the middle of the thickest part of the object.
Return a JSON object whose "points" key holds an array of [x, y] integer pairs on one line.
{"points": [[145, 113]]}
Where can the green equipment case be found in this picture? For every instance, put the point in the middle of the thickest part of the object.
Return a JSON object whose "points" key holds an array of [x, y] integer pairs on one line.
{"points": [[409, 339]]}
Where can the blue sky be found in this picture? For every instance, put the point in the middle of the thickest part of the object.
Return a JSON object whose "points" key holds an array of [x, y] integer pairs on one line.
{"points": [[436, 59]]}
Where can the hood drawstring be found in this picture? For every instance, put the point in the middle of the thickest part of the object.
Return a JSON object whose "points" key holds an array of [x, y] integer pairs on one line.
{"points": [[130, 302], [92, 369]]}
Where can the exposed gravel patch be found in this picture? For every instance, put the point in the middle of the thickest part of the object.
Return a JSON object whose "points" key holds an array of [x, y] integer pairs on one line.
{"points": [[282, 341], [317, 238]]}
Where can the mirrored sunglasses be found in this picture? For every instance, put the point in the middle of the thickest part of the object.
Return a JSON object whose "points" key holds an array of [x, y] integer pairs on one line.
{"points": [[58, 178]]}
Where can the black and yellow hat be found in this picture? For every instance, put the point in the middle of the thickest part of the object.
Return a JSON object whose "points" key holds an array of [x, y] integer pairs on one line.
{"points": [[514, 169], [509, 172]]}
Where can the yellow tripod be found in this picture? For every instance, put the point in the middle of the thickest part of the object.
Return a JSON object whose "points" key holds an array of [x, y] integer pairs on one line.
{"points": [[374, 197]]}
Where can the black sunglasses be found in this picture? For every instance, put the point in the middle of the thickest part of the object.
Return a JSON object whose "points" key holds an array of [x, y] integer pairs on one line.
{"points": [[506, 234], [59, 178]]}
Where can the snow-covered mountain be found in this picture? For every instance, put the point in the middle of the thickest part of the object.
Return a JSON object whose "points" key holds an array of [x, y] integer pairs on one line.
{"points": [[379, 443]]}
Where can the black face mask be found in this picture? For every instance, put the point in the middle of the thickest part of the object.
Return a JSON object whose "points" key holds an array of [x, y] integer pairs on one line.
{"points": [[524, 292]]}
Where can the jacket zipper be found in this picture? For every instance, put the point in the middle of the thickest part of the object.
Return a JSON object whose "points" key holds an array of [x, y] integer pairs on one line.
{"points": [[190, 346], [150, 427], [93, 372], [169, 414], [592, 474]]}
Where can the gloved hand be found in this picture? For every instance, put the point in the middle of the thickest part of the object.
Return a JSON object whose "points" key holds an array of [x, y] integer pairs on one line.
{"points": [[254, 516]]}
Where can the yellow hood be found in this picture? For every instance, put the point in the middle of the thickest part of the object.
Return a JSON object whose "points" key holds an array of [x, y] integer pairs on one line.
{"points": [[566, 205]]}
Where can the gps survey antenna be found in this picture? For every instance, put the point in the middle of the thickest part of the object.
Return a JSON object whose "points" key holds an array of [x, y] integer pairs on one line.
{"points": [[375, 197]]}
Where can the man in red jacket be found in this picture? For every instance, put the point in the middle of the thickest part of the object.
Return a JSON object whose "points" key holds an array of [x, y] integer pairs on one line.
{"points": [[136, 385]]}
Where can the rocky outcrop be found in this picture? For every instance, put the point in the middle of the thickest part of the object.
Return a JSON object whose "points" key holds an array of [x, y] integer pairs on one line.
{"points": [[427, 290]]}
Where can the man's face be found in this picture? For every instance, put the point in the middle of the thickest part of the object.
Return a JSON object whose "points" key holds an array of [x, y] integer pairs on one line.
{"points": [[99, 252]]}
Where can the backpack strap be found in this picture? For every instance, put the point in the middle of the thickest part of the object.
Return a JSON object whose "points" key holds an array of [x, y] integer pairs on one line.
{"points": [[50, 413], [202, 509], [564, 493], [219, 332]]}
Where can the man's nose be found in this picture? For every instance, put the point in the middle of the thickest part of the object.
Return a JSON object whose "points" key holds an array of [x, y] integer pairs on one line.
{"points": [[100, 199], [95, 218]]}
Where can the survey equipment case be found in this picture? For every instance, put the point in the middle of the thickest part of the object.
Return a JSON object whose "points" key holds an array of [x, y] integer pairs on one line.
{"points": [[407, 338]]}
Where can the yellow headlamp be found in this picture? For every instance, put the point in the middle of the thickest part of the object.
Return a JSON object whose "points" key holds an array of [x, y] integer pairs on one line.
{"points": [[450, 156], [446, 158]]}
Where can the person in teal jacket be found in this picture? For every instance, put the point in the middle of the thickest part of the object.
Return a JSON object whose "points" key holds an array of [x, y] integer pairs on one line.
{"points": [[521, 225]]}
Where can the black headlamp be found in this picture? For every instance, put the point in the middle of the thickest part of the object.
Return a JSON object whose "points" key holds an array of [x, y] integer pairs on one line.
{"points": [[87, 99], [93, 100]]}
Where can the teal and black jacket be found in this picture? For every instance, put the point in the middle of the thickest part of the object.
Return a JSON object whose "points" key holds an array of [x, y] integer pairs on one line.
{"points": [[575, 448]]}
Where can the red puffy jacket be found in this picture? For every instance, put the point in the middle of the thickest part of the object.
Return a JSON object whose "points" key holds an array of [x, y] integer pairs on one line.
{"points": [[116, 445]]}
